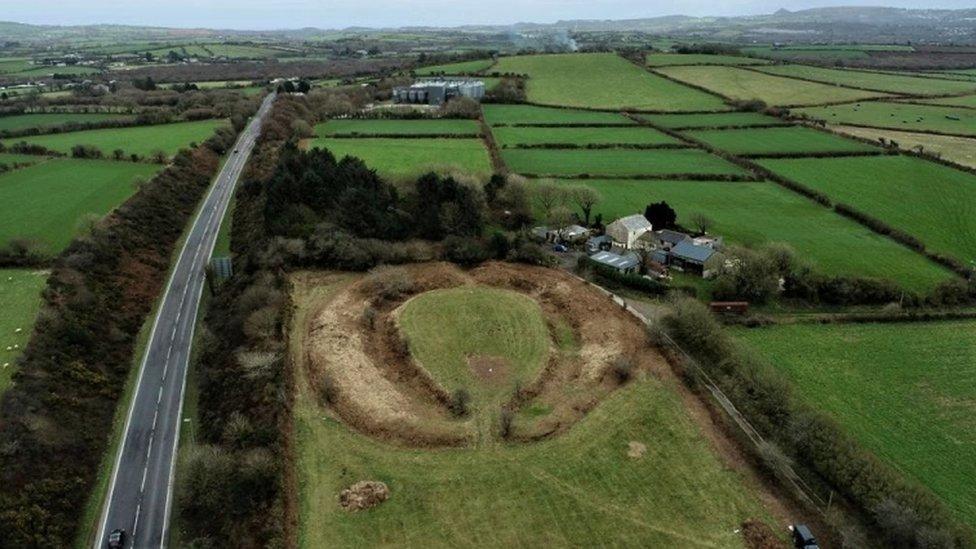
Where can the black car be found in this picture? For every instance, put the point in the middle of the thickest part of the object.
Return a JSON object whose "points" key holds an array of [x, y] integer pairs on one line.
{"points": [[116, 540], [803, 537]]}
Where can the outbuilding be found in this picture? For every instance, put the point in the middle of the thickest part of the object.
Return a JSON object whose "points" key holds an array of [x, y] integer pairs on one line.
{"points": [[627, 263], [690, 257]]}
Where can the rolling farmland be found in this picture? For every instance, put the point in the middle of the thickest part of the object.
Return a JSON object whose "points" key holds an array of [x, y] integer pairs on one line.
{"points": [[616, 162], [788, 140], [898, 116], [141, 140], [527, 114], [637, 135], [667, 59], [725, 119], [464, 67], [934, 203], [602, 80], [745, 84], [49, 202], [401, 158], [877, 81], [49, 120], [20, 294], [906, 391], [398, 127]]}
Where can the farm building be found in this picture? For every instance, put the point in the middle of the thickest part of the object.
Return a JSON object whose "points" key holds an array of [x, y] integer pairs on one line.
{"points": [[626, 230], [687, 256], [627, 263], [437, 92], [602, 243]]}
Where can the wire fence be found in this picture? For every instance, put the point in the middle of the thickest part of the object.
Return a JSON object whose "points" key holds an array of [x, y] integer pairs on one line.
{"points": [[784, 471]]}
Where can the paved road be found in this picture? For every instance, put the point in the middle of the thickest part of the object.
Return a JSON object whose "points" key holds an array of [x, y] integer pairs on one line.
{"points": [[139, 498]]}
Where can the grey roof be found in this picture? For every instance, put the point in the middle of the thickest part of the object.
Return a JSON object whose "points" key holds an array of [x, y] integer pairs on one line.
{"points": [[674, 237], [689, 251], [570, 230], [634, 222], [599, 239], [616, 261]]}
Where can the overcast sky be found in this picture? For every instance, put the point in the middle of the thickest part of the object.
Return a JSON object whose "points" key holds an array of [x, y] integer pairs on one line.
{"points": [[279, 14]]}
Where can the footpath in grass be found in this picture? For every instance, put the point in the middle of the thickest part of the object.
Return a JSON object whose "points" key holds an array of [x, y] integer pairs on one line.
{"points": [[603, 80], [934, 203], [898, 116], [789, 140], [141, 140], [49, 120], [758, 213], [442, 126], [906, 391], [531, 114], [637, 135], [891, 83], [20, 296], [617, 162], [579, 489], [48, 202], [746, 85], [404, 158]]}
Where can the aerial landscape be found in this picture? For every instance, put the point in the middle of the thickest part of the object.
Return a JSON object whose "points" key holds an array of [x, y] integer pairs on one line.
{"points": [[290, 275]]}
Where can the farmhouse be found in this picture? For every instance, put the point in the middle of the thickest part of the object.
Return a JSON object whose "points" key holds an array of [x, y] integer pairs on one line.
{"points": [[626, 230], [627, 263], [437, 92]]}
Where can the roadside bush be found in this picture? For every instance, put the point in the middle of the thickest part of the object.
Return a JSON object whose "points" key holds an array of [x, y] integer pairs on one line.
{"points": [[466, 252], [811, 439], [389, 283], [623, 369]]}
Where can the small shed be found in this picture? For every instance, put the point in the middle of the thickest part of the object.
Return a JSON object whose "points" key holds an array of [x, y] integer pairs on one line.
{"points": [[571, 233], [626, 230], [667, 239], [729, 307], [627, 263], [602, 243]]}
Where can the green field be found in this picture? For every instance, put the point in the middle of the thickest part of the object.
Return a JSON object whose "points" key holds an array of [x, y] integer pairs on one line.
{"points": [[242, 51], [11, 159], [793, 139], [906, 391], [446, 327], [602, 80], [402, 127], [934, 203], [712, 120], [14, 64], [745, 84], [666, 59], [48, 202], [878, 81], [406, 158], [141, 140], [48, 120], [758, 213], [528, 114], [961, 150], [616, 162], [464, 67], [20, 295], [508, 136], [898, 116], [961, 101], [43, 71], [578, 489]]}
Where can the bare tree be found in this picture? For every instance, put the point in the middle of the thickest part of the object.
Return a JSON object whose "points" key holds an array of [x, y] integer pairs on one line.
{"points": [[548, 195], [585, 198], [701, 222], [559, 218]]}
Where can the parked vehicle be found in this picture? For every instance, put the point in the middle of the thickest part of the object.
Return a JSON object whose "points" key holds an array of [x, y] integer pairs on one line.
{"points": [[803, 537], [560, 248]]}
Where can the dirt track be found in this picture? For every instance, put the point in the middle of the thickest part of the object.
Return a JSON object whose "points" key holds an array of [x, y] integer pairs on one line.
{"points": [[375, 386]]}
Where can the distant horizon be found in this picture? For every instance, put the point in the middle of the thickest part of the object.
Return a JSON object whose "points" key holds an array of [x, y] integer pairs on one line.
{"points": [[290, 15]]}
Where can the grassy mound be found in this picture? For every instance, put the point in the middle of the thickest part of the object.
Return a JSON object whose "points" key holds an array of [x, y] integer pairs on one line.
{"points": [[480, 339]]}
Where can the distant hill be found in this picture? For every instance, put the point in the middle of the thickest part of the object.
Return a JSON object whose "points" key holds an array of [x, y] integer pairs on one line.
{"points": [[833, 24]]}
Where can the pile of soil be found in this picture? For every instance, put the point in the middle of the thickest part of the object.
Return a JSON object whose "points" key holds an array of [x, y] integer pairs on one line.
{"points": [[365, 494], [758, 535], [636, 450]]}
